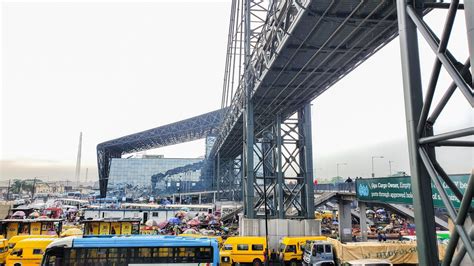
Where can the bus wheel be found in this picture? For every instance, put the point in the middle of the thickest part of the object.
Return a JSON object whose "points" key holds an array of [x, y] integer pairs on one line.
{"points": [[293, 262], [257, 262]]}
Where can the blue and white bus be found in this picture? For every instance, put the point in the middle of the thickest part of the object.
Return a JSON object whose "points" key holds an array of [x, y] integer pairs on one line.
{"points": [[132, 250]]}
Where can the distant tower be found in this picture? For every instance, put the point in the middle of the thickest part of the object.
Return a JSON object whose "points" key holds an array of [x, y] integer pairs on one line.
{"points": [[78, 162]]}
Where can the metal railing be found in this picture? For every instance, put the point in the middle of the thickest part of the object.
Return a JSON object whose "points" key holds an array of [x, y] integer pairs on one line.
{"points": [[335, 187]]}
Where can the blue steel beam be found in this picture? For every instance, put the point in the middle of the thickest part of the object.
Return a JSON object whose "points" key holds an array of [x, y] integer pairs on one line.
{"points": [[194, 128]]}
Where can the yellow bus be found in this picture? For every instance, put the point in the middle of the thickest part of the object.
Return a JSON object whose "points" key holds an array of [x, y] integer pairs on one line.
{"points": [[3, 250], [244, 249], [28, 252], [12, 242], [324, 214], [291, 248]]}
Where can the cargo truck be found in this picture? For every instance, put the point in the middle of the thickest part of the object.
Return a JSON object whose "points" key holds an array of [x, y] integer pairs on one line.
{"points": [[333, 252]]}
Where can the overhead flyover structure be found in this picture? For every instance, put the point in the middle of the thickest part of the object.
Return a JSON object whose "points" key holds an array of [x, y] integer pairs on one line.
{"points": [[190, 129], [282, 54]]}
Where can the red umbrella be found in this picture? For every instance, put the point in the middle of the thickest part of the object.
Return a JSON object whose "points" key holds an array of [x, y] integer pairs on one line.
{"points": [[163, 224], [194, 222]]}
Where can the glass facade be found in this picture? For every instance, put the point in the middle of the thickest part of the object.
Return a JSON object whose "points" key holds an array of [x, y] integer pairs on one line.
{"points": [[157, 174], [210, 140]]}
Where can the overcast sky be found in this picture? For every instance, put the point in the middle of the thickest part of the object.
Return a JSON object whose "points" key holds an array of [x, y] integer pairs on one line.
{"points": [[114, 68]]}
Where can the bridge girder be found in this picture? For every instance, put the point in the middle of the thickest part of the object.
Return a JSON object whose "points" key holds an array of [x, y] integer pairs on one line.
{"points": [[190, 129], [421, 115]]}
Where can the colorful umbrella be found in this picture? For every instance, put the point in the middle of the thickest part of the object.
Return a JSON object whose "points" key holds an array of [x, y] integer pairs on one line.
{"points": [[19, 214], [181, 214], [72, 232], [162, 224], [174, 220], [34, 215], [194, 222], [190, 231]]}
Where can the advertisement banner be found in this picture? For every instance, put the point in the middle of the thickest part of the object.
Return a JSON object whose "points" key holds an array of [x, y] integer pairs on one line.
{"points": [[95, 228], [104, 228], [397, 190], [115, 228], [35, 229], [126, 228], [12, 230]]}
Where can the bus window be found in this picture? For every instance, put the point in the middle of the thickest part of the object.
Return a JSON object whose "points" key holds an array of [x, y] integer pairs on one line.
{"points": [[204, 254], [53, 260], [242, 247], [37, 251], [54, 257], [162, 252], [291, 248], [119, 255], [144, 253], [17, 252]]}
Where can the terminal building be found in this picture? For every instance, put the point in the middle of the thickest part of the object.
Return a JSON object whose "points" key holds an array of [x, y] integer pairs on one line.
{"points": [[156, 173], [158, 176]]}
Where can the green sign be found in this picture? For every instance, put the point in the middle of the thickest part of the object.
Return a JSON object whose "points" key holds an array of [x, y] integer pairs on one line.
{"points": [[398, 190]]}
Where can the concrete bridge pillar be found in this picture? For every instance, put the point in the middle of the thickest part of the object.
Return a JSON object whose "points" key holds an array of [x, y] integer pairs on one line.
{"points": [[345, 221], [363, 220]]}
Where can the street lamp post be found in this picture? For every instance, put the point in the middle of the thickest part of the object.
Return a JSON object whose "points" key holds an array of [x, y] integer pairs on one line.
{"points": [[375, 157], [390, 166], [337, 167]]}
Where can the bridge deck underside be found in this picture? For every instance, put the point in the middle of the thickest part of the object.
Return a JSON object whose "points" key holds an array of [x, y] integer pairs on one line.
{"points": [[328, 40]]}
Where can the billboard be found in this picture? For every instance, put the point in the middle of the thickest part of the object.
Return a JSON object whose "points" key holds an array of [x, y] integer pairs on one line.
{"points": [[397, 190]]}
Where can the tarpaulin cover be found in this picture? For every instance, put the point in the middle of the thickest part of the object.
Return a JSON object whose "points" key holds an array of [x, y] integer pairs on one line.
{"points": [[396, 252]]}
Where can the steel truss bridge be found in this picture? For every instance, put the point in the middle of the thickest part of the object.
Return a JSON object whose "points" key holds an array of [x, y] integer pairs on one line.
{"points": [[183, 131], [281, 55]]}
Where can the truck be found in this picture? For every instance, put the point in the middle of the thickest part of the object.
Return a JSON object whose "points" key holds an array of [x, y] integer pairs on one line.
{"points": [[333, 252], [290, 251]]}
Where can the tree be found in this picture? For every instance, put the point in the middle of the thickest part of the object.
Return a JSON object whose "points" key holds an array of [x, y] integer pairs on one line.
{"points": [[19, 186], [337, 179], [16, 186]]}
